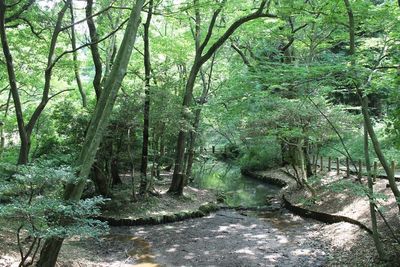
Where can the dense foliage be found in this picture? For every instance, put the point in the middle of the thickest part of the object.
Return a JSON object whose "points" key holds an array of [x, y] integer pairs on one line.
{"points": [[266, 83]]}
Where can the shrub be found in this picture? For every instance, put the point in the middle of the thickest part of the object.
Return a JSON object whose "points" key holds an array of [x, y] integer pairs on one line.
{"points": [[265, 155], [33, 207]]}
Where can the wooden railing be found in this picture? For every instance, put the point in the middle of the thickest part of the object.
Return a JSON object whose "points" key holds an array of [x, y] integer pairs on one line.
{"points": [[357, 168]]}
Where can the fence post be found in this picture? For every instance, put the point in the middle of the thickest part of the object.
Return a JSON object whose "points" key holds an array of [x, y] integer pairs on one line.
{"points": [[337, 166], [347, 168], [359, 170], [322, 164], [375, 170], [329, 163], [213, 149]]}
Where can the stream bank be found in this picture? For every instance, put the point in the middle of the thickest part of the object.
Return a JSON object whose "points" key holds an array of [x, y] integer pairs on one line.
{"points": [[250, 235]]}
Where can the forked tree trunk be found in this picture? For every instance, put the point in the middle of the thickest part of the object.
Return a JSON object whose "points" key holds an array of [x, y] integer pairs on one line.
{"points": [[25, 130], [178, 182], [98, 123]]}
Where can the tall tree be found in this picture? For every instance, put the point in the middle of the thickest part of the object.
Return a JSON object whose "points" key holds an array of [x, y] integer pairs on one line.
{"points": [[202, 55], [363, 97], [97, 126], [145, 181], [25, 130]]}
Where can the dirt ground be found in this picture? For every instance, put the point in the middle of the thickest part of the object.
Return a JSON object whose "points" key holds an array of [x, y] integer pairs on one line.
{"points": [[351, 246], [225, 238], [231, 238]]}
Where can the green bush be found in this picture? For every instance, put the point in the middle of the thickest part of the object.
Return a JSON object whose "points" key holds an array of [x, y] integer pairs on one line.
{"points": [[262, 156], [32, 205]]}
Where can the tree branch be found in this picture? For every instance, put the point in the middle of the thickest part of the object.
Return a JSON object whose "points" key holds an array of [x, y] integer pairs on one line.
{"points": [[210, 29], [19, 12], [235, 25], [242, 55], [87, 44]]}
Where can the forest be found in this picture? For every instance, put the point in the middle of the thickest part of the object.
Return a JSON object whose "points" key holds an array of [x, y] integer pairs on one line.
{"points": [[199, 133]]}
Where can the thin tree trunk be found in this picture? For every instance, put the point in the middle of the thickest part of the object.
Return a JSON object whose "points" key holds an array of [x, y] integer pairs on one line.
{"points": [[375, 233], [131, 165], [100, 179], [306, 152], [98, 124], [364, 108], [75, 59], [377, 147], [25, 142], [94, 48], [194, 133], [114, 159], [177, 183], [144, 179]]}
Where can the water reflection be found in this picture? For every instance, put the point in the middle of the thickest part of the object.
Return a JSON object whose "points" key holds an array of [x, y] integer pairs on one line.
{"points": [[237, 189]]}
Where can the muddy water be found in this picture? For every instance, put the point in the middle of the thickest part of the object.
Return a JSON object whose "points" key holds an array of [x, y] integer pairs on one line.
{"points": [[227, 237]]}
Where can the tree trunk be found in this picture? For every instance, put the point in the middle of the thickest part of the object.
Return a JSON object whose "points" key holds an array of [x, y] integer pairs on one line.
{"points": [[144, 180], [377, 147], [306, 151], [99, 122], [375, 233], [364, 108], [25, 144], [177, 183], [94, 48], [25, 131], [75, 59], [100, 180], [115, 171], [193, 134]]}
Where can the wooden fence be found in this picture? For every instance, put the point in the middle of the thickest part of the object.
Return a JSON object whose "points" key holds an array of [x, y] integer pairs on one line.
{"points": [[341, 165], [356, 167]]}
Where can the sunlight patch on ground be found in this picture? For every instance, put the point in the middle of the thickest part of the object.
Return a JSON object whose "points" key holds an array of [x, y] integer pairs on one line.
{"points": [[282, 239], [273, 257], [245, 250], [299, 252]]}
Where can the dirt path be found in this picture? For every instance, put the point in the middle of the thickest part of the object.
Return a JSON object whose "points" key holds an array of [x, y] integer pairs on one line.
{"points": [[225, 238]]}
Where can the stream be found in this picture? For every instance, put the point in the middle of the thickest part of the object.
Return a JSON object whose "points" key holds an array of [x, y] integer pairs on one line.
{"points": [[225, 238]]}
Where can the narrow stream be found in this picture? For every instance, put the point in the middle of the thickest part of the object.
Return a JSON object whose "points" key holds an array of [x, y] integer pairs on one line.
{"points": [[237, 189], [227, 237]]}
